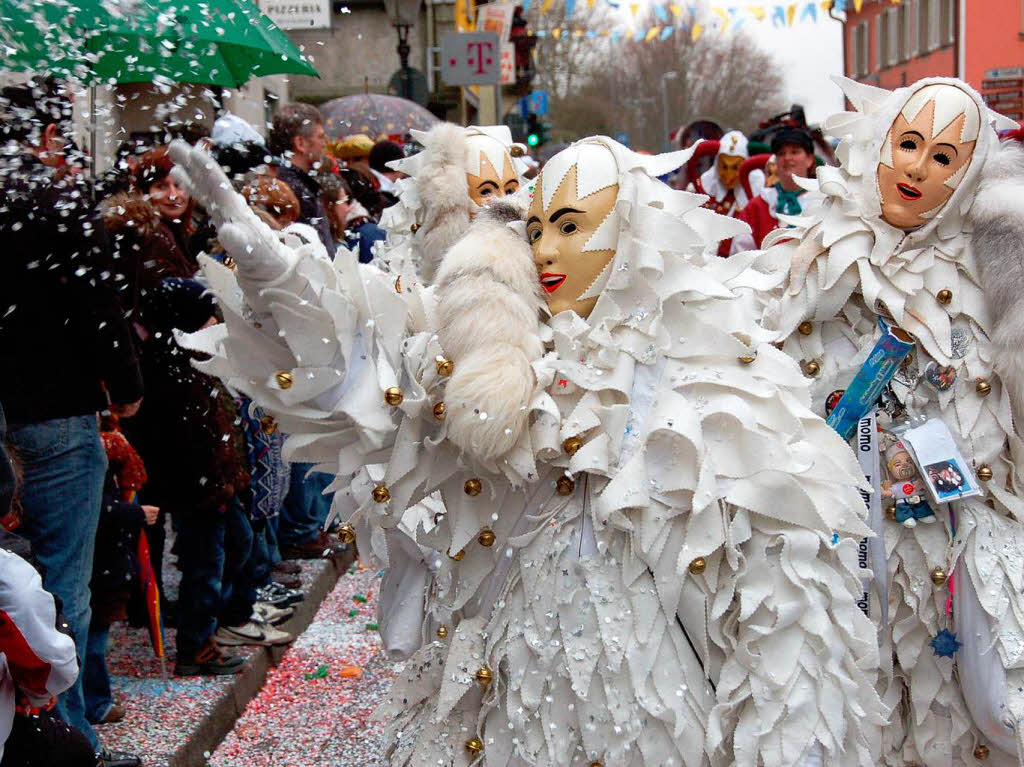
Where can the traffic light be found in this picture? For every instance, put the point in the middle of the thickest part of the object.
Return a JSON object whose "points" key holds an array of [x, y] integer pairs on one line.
{"points": [[533, 130], [536, 130]]}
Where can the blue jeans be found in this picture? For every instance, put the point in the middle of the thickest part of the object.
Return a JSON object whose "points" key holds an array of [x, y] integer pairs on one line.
{"points": [[264, 551], [64, 466], [217, 586], [305, 508], [95, 677]]}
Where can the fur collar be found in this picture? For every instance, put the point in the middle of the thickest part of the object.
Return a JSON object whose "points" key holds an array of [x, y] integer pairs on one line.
{"points": [[125, 211]]}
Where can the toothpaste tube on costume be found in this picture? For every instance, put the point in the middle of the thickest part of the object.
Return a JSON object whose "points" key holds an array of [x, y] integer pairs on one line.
{"points": [[878, 369]]}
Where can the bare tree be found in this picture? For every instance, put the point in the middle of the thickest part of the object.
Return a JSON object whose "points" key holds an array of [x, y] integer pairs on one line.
{"points": [[600, 85]]}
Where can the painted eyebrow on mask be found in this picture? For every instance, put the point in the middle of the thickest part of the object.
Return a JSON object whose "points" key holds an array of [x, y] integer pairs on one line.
{"points": [[911, 133], [562, 212], [532, 220], [485, 184]]}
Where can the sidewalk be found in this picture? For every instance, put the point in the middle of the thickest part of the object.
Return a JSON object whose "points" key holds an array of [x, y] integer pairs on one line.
{"points": [[181, 723], [315, 708]]}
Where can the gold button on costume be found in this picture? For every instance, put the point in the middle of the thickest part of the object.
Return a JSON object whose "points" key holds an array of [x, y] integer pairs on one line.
{"points": [[473, 486], [393, 396], [381, 494], [486, 538], [284, 379]]}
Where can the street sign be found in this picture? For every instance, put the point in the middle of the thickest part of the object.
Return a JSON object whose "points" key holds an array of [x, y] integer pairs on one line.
{"points": [[1005, 73], [470, 58], [508, 64], [537, 102], [622, 137], [300, 14]]}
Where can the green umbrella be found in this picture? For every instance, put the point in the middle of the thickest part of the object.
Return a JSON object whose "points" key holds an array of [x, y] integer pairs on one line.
{"points": [[213, 42]]}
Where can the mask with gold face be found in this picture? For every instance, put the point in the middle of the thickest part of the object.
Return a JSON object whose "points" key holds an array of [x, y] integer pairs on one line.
{"points": [[490, 171], [926, 153], [490, 184], [571, 248], [729, 169]]}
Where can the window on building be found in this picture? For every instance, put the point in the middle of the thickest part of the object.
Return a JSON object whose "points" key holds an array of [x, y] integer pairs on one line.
{"points": [[860, 50], [924, 19], [903, 31], [882, 36], [911, 27], [947, 19], [896, 49]]}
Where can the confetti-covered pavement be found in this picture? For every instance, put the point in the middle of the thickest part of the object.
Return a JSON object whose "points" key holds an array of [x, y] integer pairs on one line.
{"points": [[314, 709], [179, 722]]}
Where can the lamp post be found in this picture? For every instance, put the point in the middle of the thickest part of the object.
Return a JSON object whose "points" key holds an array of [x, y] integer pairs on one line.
{"points": [[404, 14], [665, 144]]}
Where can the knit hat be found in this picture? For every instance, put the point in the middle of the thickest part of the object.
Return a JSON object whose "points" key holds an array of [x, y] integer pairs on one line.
{"points": [[232, 129], [796, 136], [357, 145], [384, 152]]}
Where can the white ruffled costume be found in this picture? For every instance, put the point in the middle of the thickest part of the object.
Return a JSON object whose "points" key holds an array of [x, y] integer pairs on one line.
{"points": [[648, 554], [434, 208], [843, 265]]}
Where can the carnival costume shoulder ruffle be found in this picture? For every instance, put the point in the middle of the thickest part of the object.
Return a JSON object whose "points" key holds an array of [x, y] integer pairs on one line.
{"points": [[647, 554]]}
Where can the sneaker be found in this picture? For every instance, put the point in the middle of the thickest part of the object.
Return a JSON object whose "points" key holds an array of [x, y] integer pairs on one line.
{"points": [[114, 714], [209, 661], [288, 581], [317, 548], [278, 596], [275, 616], [289, 568], [252, 633], [108, 758]]}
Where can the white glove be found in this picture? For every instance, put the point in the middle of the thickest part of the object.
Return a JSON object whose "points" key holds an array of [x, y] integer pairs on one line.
{"points": [[260, 255]]}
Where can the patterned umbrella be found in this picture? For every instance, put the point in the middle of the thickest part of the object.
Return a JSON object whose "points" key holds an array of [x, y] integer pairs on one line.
{"points": [[374, 114]]}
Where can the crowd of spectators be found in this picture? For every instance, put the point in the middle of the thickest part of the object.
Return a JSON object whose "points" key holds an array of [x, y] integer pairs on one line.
{"points": [[114, 437]]}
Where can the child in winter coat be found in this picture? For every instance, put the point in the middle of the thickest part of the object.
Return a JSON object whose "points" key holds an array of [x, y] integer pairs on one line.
{"points": [[115, 565]]}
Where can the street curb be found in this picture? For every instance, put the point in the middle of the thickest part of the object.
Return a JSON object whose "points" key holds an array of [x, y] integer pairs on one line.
{"points": [[203, 740]]}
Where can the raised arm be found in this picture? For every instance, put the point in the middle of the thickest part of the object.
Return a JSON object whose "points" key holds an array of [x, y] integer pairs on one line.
{"points": [[315, 343]]}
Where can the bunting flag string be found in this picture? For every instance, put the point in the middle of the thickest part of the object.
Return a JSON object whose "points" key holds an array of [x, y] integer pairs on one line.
{"points": [[670, 17]]}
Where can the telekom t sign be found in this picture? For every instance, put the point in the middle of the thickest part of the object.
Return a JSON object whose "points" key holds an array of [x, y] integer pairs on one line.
{"points": [[470, 58]]}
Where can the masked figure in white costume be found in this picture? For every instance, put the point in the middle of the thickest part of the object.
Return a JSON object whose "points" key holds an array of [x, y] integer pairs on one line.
{"points": [[459, 171], [648, 553], [893, 241]]}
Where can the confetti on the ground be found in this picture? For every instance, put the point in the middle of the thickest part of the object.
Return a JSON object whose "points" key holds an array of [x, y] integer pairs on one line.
{"points": [[327, 723], [160, 717], [320, 673]]}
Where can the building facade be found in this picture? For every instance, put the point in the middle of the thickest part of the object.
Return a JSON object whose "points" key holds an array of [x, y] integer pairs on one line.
{"points": [[891, 43]]}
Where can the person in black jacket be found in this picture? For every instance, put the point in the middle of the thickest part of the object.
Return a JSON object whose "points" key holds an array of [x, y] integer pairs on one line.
{"points": [[297, 138], [65, 349]]}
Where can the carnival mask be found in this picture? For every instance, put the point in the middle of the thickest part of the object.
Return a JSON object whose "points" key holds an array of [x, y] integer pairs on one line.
{"points": [[926, 154], [490, 183], [771, 172], [559, 236], [729, 169]]}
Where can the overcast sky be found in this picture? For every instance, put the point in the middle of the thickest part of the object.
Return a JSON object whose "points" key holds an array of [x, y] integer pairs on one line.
{"points": [[808, 53]]}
